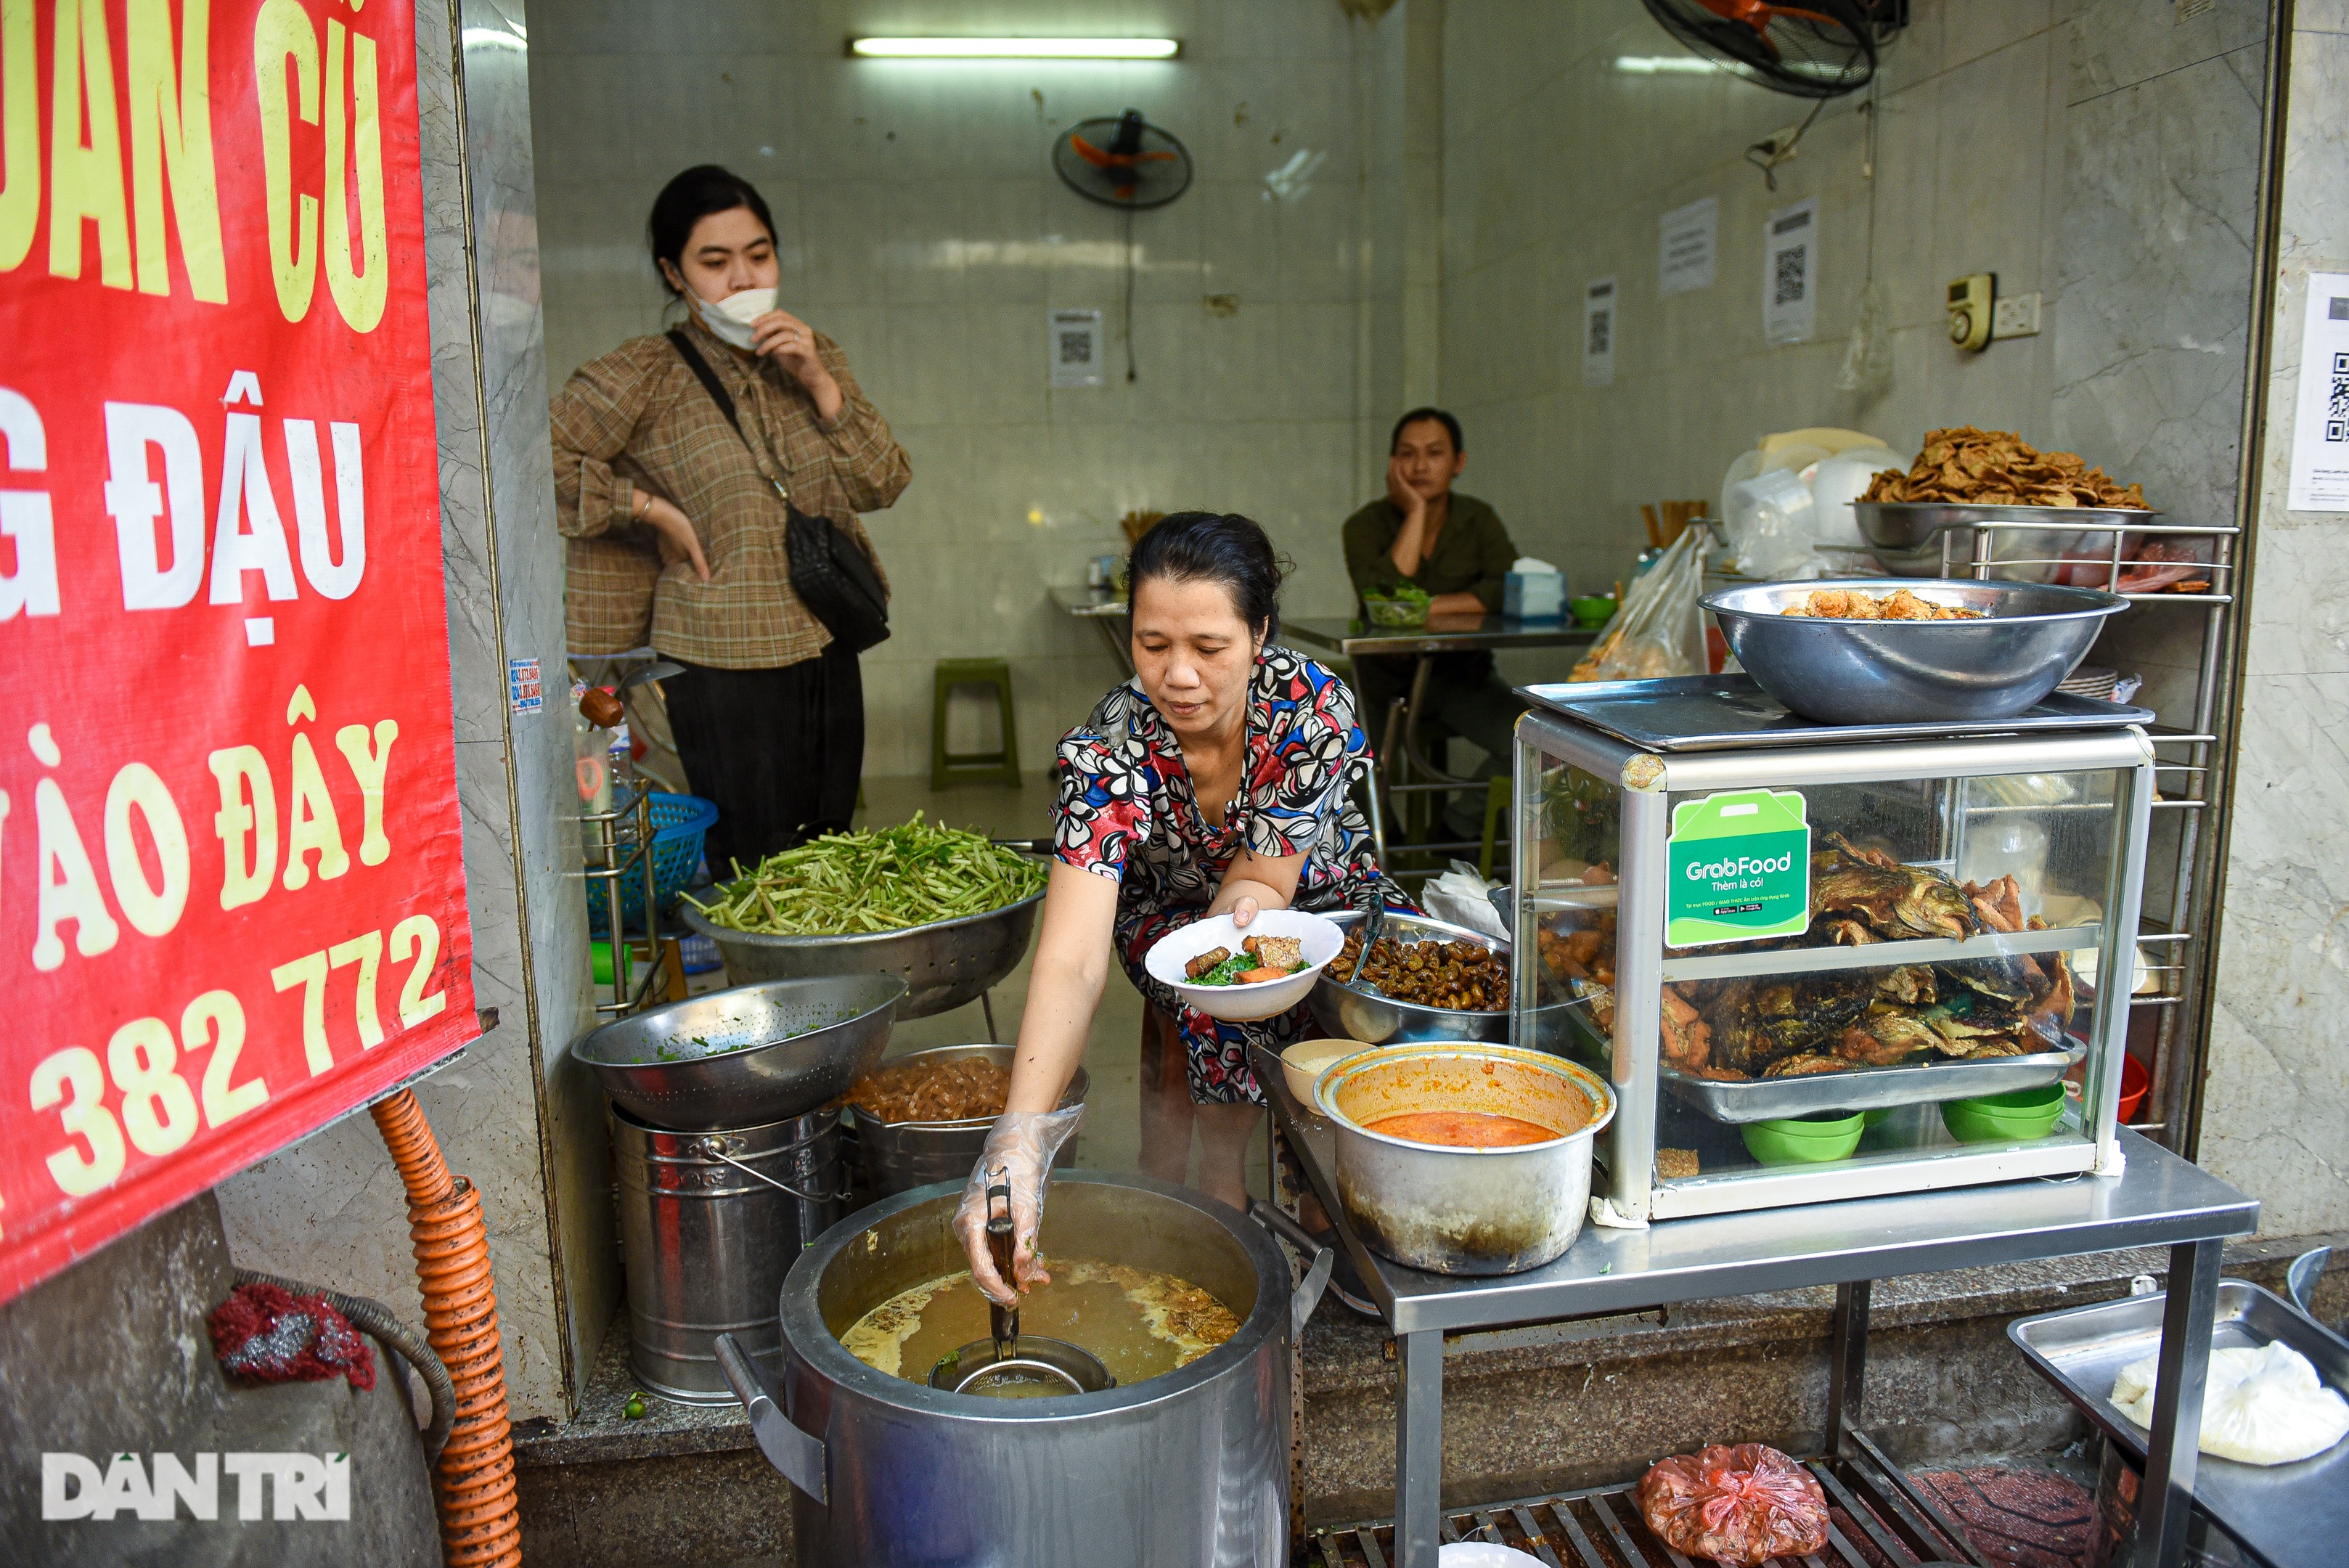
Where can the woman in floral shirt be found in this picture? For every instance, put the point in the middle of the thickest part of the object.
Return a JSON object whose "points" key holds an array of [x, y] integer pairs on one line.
{"points": [[1214, 782]]}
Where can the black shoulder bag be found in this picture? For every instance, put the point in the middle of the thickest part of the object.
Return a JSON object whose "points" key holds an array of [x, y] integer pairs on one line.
{"points": [[832, 575]]}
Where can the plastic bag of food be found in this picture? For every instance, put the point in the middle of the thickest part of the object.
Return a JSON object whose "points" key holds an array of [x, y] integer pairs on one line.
{"points": [[1769, 520], [1458, 898], [1659, 630], [1740, 1505], [2263, 1406]]}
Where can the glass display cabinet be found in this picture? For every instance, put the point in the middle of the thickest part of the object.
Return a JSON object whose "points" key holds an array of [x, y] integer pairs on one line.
{"points": [[1819, 962]]}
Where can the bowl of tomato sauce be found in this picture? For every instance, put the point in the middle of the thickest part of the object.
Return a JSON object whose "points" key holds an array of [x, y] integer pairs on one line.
{"points": [[1464, 1158]]}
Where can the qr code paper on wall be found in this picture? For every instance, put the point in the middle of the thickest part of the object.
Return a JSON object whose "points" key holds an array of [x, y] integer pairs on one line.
{"points": [[1789, 271]]}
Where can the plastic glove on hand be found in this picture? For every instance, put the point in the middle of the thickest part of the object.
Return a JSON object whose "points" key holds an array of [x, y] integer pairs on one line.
{"points": [[1019, 1150]]}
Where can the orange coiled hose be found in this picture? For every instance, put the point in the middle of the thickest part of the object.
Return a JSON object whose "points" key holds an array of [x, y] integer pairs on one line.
{"points": [[480, 1524]]}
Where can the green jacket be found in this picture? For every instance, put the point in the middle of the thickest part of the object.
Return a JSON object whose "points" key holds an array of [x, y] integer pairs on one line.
{"points": [[1472, 555]]}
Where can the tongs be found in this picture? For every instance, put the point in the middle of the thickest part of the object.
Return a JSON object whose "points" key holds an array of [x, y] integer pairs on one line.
{"points": [[1002, 1322], [1375, 924]]}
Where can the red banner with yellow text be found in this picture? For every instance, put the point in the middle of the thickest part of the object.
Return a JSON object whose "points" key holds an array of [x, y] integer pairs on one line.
{"points": [[232, 896]]}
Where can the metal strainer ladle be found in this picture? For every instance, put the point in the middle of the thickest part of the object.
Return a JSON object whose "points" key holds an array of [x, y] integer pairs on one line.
{"points": [[1006, 1353]]}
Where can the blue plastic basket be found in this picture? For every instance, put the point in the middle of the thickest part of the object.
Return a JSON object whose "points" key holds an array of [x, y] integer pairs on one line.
{"points": [[680, 822]]}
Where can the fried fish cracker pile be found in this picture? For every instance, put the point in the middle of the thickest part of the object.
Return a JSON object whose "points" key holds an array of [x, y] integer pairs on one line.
{"points": [[1850, 604], [1995, 468]]}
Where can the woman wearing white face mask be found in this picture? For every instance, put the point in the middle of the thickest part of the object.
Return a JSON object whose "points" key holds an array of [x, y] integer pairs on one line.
{"points": [[678, 460]]}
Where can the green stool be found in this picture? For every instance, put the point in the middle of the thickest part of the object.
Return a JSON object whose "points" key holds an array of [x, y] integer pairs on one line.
{"points": [[1497, 796], [959, 767]]}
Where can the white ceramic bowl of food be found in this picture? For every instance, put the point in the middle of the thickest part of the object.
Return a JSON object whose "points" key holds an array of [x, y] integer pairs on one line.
{"points": [[1318, 940], [1304, 1062]]}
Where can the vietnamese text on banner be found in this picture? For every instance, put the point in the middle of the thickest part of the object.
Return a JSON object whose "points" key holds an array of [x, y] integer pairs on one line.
{"points": [[231, 895]]}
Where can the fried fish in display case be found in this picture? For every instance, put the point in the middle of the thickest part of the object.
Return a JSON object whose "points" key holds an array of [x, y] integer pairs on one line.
{"points": [[1788, 954]]}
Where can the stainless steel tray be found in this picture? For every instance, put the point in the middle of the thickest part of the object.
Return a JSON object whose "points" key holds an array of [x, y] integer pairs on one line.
{"points": [[1859, 1089], [1866, 1088], [1731, 712], [2290, 1516]]}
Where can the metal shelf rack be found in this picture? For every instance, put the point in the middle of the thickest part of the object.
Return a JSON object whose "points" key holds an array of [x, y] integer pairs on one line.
{"points": [[613, 845], [2190, 773]]}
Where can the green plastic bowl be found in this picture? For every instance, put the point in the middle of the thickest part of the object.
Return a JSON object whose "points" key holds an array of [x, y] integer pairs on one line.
{"points": [[1396, 612], [1871, 1117], [2018, 1118], [1592, 610], [1803, 1140]]}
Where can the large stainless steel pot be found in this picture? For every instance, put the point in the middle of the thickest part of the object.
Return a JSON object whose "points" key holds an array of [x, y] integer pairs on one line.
{"points": [[1907, 671], [897, 1157], [1176, 1471], [1463, 1210], [944, 964], [746, 1056]]}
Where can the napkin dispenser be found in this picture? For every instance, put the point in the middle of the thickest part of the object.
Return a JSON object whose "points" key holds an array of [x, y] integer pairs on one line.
{"points": [[1533, 590]]}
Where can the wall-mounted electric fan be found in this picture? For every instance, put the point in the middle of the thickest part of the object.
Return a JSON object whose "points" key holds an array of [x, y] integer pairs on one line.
{"points": [[1127, 163], [1814, 49]]}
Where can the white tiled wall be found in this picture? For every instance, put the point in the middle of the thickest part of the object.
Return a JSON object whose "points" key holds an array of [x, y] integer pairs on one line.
{"points": [[923, 228], [1556, 169]]}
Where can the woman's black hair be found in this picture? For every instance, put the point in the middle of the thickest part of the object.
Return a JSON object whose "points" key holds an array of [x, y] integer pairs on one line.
{"points": [[1438, 415], [692, 196], [1215, 547]]}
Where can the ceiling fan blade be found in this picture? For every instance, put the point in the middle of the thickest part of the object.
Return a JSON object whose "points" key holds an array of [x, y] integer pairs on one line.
{"points": [[1090, 153]]}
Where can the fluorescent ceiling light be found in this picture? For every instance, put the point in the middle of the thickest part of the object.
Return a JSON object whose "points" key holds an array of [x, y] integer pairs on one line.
{"points": [[1016, 49], [1665, 66]]}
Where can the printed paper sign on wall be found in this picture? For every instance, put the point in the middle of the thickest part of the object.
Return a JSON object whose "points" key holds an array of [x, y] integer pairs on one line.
{"points": [[2320, 427], [1740, 864], [231, 901], [1599, 332], [1790, 272]]}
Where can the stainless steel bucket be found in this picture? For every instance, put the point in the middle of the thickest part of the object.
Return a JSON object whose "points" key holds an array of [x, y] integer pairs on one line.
{"points": [[1177, 1472], [897, 1157], [706, 1237]]}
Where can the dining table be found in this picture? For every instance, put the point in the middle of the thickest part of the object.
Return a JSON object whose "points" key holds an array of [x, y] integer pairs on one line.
{"points": [[1107, 611], [1404, 769]]}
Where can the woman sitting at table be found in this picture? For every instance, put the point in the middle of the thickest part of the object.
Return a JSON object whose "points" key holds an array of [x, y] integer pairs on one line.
{"points": [[1214, 782], [1455, 548]]}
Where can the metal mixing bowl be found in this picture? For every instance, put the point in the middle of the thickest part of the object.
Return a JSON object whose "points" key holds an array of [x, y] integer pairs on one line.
{"points": [[944, 964], [748, 1056], [1345, 1013], [1906, 535], [1911, 672]]}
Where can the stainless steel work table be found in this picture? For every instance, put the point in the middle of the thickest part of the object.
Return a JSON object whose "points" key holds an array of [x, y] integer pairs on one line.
{"points": [[2160, 1201]]}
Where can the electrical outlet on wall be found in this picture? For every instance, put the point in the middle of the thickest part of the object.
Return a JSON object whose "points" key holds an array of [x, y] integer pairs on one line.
{"points": [[2016, 315]]}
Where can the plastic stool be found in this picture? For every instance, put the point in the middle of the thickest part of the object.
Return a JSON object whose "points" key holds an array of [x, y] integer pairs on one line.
{"points": [[1496, 800], [968, 767]]}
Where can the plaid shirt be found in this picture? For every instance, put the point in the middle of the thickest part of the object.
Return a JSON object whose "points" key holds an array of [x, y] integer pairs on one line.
{"points": [[638, 417]]}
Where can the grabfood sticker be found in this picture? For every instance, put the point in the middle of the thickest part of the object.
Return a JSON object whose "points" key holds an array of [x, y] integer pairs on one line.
{"points": [[1740, 868]]}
